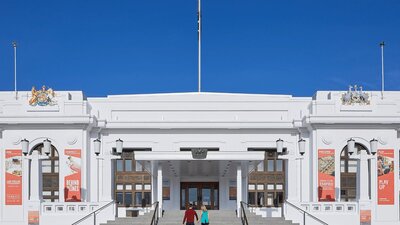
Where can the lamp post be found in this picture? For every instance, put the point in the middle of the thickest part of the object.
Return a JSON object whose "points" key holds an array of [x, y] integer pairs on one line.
{"points": [[279, 146]]}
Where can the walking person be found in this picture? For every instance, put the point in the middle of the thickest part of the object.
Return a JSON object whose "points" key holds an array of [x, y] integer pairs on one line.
{"points": [[189, 216], [204, 219]]}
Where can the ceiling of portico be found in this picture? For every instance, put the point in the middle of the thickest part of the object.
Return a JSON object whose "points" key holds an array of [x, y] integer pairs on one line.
{"points": [[203, 168]]}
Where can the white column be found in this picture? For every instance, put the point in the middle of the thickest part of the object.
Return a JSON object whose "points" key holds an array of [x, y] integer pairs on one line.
{"points": [[239, 188], [363, 177], [159, 188], [36, 177], [106, 178]]}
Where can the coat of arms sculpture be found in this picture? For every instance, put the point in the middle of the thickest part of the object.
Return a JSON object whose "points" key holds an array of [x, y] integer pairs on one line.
{"points": [[356, 96], [42, 97]]}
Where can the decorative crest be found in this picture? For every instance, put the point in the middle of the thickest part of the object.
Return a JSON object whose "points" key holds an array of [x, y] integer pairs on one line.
{"points": [[355, 95], [199, 153], [42, 97]]}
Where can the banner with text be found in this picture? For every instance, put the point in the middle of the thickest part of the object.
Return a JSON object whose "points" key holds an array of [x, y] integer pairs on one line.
{"points": [[385, 176], [33, 217], [13, 161], [326, 175], [72, 179]]}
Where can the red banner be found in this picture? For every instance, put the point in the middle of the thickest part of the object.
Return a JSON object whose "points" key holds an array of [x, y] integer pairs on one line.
{"points": [[72, 180], [326, 175], [385, 176], [33, 217], [365, 217], [13, 177]]}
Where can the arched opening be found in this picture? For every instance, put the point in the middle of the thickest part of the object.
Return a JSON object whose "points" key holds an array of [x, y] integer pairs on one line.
{"points": [[50, 173], [348, 173]]}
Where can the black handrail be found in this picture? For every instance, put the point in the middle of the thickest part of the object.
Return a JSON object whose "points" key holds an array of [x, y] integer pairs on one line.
{"points": [[156, 217], [94, 214], [304, 214], [243, 216]]}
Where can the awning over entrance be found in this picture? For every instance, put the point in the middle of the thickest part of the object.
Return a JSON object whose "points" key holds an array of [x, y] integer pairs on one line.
{"points": [[216, 164], [213, 155]]}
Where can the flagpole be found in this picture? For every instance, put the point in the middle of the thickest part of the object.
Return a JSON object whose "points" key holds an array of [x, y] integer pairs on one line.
{"points": [[14, 43], [382, 44], [199, 46]]}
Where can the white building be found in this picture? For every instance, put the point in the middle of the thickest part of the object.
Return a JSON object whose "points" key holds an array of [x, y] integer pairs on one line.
{"points": [[235, 135]]}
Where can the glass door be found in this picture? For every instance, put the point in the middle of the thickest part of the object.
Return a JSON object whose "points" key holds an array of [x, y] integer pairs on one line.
{"points": [[199, 193]]}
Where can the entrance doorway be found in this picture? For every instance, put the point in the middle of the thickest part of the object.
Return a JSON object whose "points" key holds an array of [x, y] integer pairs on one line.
{"points": [[200, 193]]}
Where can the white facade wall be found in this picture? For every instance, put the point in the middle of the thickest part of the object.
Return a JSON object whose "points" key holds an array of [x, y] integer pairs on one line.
{"points": [[231, 122]]}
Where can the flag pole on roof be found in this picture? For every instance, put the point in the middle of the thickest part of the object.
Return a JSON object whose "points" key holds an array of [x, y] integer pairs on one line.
{"points": [[14, 44], [382, 44], [199, 43]]}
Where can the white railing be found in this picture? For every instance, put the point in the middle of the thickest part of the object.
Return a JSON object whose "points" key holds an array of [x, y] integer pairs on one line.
{"points": [[77, 208], [330, 207]]}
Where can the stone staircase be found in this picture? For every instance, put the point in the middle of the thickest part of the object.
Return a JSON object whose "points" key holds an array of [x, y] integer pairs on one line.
{"points": [[217, 217], [254, 219]]}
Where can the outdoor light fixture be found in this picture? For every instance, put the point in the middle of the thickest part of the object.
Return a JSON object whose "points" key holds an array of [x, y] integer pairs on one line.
{"points": [[97, 144], [47, 146], [279, 145], [25, 146], [119, 144], [302, 146], [374, 146], [350, 146]]}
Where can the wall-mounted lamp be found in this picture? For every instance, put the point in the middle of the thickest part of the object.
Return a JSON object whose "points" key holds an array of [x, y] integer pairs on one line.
{"points": [[25, 146], [374, 146], [302, 146], [279, 145], [47, 146], [97, 144], [119, 145], [351, 145]]}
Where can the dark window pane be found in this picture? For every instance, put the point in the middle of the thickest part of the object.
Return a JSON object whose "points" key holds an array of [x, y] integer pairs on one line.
{"points": [[138, 198], [128, 165], [120, 198], [279, 165], [147, 196], [215, 197], [128, 199], [270, 165], [279, 196], [252, 198], [120, 166], [260, 198]]}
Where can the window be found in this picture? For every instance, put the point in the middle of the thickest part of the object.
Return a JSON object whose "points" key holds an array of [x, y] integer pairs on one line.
{"points": [[50, 183], [267, 187], [132, 182], [232, 190], [166, 190]]}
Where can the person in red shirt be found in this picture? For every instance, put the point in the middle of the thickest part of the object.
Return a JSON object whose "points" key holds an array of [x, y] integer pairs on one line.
{"points": [[189, 216]]}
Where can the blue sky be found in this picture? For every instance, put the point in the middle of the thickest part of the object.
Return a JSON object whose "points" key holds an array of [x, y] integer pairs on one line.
{"points": [[249, 46]]}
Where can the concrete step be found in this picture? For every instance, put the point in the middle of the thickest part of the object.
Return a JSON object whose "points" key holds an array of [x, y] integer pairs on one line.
{"points": [[217, 217]]}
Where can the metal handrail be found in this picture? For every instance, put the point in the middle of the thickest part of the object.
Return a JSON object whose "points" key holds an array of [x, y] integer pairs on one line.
{"points": [[155, 218], [243, 216], [304, 214], [94, 214]]}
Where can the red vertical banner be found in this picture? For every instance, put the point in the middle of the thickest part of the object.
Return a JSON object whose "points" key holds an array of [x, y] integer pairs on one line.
{"points": [[33, 217], [385, 167], [13, 161], [326, 175], [365, 217], [72, 179]]}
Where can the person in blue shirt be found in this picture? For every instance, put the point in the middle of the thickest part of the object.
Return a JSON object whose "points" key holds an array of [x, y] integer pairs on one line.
{"points": [[204, 219]]}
